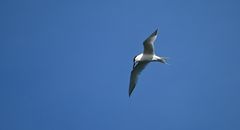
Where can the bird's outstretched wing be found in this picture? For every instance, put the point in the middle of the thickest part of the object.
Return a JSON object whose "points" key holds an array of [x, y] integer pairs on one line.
{"points": [[134, 75], [148, 43]]}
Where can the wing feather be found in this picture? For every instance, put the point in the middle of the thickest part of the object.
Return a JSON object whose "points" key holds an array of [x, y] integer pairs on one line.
{"points": [[134, 75], [149, 43]]}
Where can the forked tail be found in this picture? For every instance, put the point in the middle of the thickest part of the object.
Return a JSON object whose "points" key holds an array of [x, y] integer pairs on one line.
{"points": [[164, 60]]}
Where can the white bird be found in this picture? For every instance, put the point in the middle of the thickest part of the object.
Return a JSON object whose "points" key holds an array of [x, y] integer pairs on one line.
{"points": [[140, 61]]}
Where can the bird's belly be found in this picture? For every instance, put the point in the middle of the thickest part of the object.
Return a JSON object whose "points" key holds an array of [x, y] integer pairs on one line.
{"points": [[147, 58]]}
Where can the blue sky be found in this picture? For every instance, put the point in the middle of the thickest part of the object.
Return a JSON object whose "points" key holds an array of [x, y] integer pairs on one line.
{"points": [[66, 65]]}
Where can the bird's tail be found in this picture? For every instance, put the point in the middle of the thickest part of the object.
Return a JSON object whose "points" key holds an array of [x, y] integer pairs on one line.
{"points": [[164, 60]]}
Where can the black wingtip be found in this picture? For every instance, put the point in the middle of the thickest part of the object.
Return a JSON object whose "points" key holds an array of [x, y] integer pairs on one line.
{"points": [[129, 94], [155, 32]]}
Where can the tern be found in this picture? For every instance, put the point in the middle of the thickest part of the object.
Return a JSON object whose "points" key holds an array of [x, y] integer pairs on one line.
{"points": [[140, 61]]}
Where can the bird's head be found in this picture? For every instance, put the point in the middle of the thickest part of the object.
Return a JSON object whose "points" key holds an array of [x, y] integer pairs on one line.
{"points": [[134, 58]]}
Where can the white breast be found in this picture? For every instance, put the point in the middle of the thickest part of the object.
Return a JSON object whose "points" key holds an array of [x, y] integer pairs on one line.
{"points": [[144, 57]]}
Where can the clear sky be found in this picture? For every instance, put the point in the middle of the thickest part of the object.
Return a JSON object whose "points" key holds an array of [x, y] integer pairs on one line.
{"points": [[65, 65]]}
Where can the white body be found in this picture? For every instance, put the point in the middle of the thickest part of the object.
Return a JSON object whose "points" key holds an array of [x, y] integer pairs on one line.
{"points": [[141, 60], [147, 57]]}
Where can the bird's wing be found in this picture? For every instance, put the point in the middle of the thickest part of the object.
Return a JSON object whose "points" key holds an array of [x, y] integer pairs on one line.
{"points": [[134, 75], [148, 43]]}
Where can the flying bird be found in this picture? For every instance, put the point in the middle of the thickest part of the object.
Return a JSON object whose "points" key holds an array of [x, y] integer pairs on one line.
{"points": [[140, 61]]}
